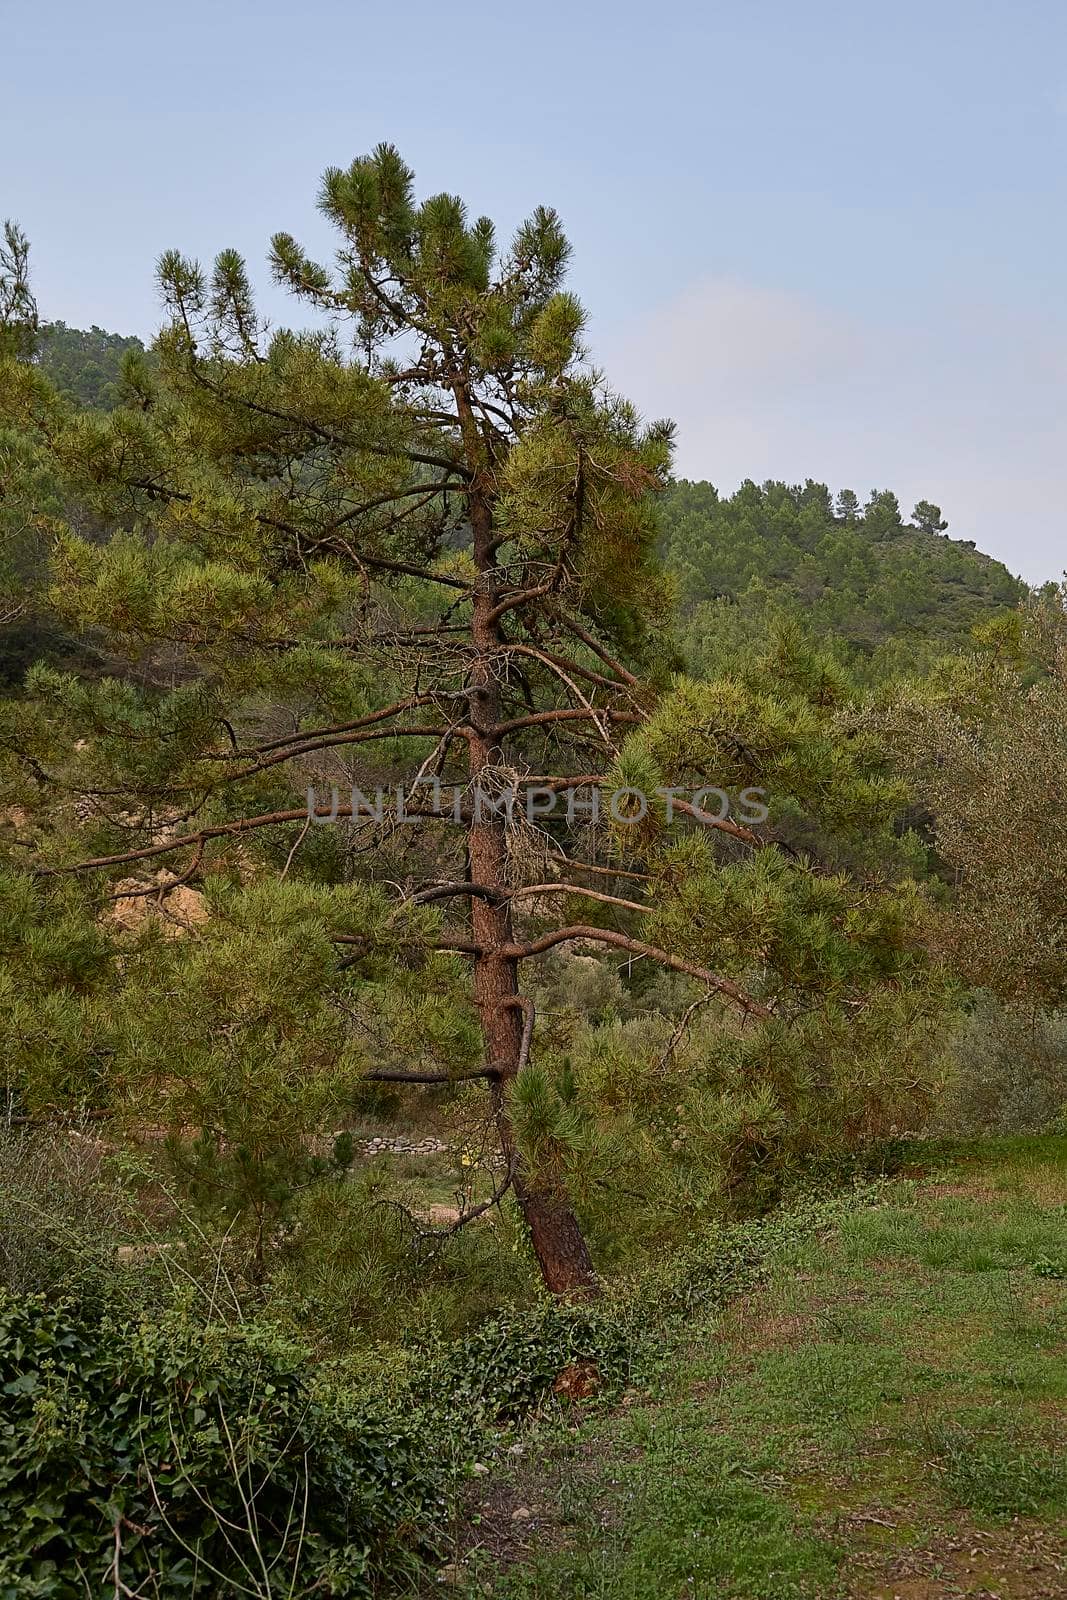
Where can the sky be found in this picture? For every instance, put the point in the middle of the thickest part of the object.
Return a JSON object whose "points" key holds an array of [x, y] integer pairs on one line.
{"points": [[827, 238]]}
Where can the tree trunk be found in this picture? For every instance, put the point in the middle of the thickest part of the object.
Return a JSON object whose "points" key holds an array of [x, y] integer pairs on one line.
{"points": [[558, 1242], [555, 1234]]}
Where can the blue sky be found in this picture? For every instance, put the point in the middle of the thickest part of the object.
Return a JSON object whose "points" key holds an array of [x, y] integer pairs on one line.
{"points": [[829, 239]]}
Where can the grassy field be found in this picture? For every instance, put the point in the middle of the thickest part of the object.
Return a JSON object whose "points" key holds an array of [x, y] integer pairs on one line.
{"points": [[886, 1418]]}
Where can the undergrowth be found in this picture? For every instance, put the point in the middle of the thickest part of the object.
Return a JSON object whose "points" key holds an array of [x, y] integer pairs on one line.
{"points": [[169, 1456]]}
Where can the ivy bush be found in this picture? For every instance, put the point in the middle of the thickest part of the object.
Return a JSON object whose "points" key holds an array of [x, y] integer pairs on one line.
{"points": [[175, 1459]]}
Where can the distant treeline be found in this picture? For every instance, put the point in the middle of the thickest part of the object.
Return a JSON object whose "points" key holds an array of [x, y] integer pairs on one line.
{"points": [[85, 363], [892, 592]]}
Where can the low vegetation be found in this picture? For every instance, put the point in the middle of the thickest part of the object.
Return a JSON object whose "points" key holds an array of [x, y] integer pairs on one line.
{"points": [[884, 1416]]}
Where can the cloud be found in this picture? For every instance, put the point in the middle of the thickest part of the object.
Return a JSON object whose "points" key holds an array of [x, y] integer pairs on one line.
{"points": [[962, 404], [722, 335]]}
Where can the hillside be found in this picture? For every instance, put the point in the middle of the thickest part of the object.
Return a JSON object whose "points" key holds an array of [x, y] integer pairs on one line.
{"points": [[85, 364], [891, 591]]}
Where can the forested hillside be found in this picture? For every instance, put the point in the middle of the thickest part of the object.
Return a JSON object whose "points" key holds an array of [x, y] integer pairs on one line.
{"points": [[892, 593], [85, 364]]}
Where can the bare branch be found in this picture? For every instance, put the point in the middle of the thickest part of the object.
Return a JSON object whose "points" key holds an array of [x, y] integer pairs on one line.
{"points": [[481, 891], [387, 1075], [576, 888], [564, 663], [224, 830], [344, 727], [537, 719], [597, 648]]}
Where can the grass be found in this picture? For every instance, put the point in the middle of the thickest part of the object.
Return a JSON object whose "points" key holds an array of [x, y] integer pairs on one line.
{"points": [[884, 1418]]}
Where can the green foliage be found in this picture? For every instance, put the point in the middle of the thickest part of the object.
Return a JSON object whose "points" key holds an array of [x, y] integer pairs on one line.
{"points": [[893, 595], [360, 1267], [1007, 1073], [57, 967], [239, 1043], [64, 1216], [196, 1461], [818, 935], [781, 728], [88, 366], [31, 502], [997, 1475], [984, 747], [683, 1127]]}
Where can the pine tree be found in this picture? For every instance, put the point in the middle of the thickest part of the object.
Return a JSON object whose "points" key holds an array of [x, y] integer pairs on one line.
{"points": [[928, 517], [848, 505], [467, 448], [18, 308], [28, 484], [435, 551]]}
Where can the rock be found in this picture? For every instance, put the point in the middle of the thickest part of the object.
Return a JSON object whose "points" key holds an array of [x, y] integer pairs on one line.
{"points": [[521, 1514], [478, 1469], [451, 1572], [178, 908]]}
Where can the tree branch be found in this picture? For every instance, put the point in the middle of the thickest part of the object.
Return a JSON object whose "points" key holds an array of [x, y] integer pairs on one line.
{"points": [[387, 1075], [622, 941], [222, 830], [597, 648], [537, 719]]}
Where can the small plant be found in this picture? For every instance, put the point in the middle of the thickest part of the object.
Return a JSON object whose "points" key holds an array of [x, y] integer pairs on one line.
{"points": [[995, 1475]]}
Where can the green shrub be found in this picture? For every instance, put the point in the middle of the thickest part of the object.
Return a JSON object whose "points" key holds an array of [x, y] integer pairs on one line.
{"points": [[63, 1216], [360, 1263], [182, 1460], [1008, 1072], [506, 1368], [663, 1130]]}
